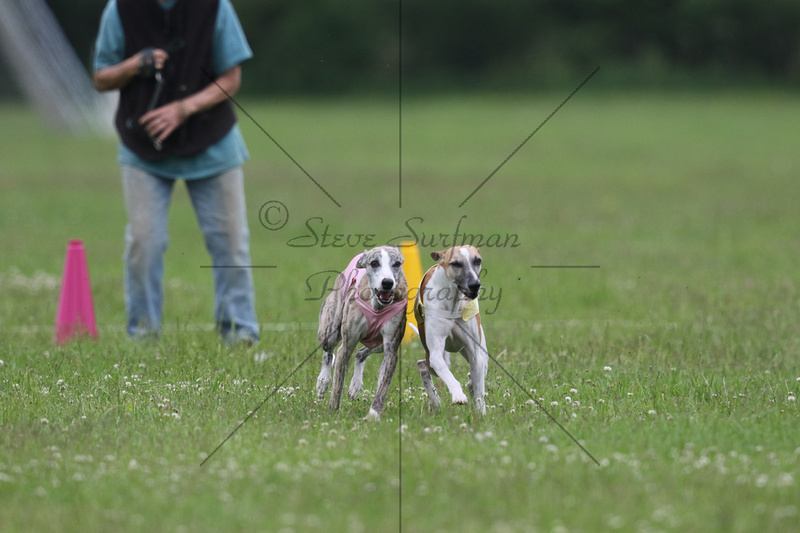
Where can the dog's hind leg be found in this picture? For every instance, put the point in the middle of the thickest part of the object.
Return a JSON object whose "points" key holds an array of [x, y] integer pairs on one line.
{"points": [[324, 378], [328, 339], [427, 381], [358, 370], [329, 335]]}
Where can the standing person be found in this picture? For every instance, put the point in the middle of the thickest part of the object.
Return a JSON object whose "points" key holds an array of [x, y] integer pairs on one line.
{"points": [[175, 62]]}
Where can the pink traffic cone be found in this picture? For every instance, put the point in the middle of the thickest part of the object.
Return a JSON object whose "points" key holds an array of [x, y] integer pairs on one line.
{"points": [[75, 308]]}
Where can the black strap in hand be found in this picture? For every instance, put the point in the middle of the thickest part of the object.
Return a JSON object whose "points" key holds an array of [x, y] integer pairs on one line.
{"points": [[147, 63]]}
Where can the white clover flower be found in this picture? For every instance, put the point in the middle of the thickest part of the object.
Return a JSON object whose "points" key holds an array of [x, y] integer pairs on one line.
{"points": [[651, 412], [574, 391], [554, 404], [790, 398], [567, 399], [44, 421], [607, 368]]}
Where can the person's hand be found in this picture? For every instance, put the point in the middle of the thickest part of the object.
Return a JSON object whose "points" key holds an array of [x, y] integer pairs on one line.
{"points": [[151, 60], [162, 121]]}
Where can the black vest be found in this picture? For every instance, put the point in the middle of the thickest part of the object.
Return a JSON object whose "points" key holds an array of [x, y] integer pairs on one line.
{"points": [[146, 24]]}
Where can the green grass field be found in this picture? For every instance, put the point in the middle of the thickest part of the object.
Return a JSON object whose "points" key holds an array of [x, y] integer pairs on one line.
{"points": [[676, 363]]}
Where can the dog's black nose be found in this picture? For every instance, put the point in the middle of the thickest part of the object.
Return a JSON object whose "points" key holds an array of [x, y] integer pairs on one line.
{"points": [[387, 284], [474, 287]]}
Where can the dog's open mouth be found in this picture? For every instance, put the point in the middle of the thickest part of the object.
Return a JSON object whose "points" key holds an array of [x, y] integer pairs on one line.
{"points": [[385, 297]]}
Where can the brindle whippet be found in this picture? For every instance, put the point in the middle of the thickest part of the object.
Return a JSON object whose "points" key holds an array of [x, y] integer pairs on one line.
{"points": [[367, 305]]}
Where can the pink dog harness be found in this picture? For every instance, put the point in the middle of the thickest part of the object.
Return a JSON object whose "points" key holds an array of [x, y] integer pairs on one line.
{"points": [[376, 318]]}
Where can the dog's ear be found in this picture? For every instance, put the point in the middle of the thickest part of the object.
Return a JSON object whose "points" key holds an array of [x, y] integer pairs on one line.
{"points": [[360, 263], [437, 256], [401, 289]]}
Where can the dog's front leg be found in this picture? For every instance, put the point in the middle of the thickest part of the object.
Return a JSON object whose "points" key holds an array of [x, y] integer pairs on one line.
{"points": [[384, 380], [340, 369], [478, 365], [427, 381], [439, 365], [358, 370]]}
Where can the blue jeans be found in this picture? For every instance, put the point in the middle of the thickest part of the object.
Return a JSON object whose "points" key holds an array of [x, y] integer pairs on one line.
{"points": [[219, 205]]}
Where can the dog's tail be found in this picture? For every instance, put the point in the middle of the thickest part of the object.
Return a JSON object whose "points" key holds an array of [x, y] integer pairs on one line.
{"points": [[413, 327]]}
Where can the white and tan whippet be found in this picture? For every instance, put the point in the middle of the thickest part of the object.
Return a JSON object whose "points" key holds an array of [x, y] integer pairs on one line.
{"points": [[368, 305], [446, 309]]}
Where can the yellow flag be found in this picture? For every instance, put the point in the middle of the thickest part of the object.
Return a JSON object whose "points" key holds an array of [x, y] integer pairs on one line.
{"points": [[412, 267]]}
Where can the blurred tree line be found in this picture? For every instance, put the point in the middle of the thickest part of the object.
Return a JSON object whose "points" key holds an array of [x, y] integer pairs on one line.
{"points": [[324, 46]]}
